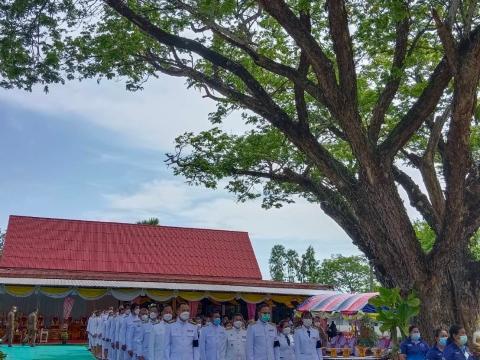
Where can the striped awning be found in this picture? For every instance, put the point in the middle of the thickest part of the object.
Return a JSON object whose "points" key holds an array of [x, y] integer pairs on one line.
{"points": [[339, 302]]}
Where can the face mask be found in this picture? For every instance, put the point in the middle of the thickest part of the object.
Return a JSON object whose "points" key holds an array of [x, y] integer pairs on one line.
{"points": [[265, 317], [286, 331], [237, 324], [153, 315], [415, 336], [217, 321], [317, 324], [184, 316], [136, 311], [144, 317], [463, 339], [307, 322], [199, 325], [167, 317], [127, 312], [442, 341]]}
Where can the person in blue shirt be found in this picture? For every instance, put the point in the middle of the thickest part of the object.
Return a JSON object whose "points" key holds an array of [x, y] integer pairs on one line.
{"points": [[413, 348], [457, 345], [436, 352]]}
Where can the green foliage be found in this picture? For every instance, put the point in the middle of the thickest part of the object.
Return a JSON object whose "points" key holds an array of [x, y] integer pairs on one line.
{"points": [[395, 311], [427, 238], [346, 273], [277, 263], [308, 271], [151, 221], [3, 236], [2, 355]]}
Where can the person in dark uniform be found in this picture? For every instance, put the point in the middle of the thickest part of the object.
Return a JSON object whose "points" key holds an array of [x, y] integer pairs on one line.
{"points": [[436, 352], [457, 345], [414, 348]]}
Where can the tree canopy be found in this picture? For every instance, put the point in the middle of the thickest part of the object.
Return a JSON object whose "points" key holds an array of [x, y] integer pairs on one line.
{"points": [[151, 221], [338, 98]]}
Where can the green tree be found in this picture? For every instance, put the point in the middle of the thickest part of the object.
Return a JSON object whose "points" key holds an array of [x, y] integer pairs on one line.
{"points": [[309, 267], [292, 265], [346, 273], [277, 263], [338, 97], [3, 236], [151, 221]]}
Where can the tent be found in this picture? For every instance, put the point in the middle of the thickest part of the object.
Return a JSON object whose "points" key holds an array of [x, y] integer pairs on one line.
{"points": [[344, 303]]}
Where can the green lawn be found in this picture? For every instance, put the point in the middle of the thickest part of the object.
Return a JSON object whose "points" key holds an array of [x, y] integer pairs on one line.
{"points": [[47, 352]]}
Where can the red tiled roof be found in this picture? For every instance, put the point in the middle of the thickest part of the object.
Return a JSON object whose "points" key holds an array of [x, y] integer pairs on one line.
{"points": [[116, 248]]}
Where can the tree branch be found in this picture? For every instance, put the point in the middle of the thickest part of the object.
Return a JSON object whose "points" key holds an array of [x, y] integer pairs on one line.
{"points": [[448, 42], [418, 113], [391, 88], [342, 44], [418, 200]]}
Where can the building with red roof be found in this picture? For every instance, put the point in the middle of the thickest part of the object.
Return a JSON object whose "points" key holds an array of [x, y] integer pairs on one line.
{"points": [[47, 260]]}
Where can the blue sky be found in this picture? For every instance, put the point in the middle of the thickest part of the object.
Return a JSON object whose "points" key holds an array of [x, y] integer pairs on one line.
{"points": [[91, 151]]}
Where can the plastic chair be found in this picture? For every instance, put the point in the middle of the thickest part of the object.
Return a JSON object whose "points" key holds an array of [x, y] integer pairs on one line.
{"points": [[44, 336]]}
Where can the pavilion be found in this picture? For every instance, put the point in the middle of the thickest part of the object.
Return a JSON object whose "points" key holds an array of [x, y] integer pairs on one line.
{"points": [[70, 267]]}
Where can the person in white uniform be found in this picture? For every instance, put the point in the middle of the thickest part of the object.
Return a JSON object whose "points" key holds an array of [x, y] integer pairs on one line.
{"points": [[236, 340], [285, 349], [122, 334], [98, 326], [91, 321], [181, 337], [106, 320], [157, 336], [112, 351], [132, 323], [213, 340], [261, 336], [147, 330], [308, 345], [138, 332]]}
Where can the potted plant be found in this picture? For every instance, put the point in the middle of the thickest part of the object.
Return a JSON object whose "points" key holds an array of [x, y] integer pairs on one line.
{"points": [[395, 313], [64, 336]]}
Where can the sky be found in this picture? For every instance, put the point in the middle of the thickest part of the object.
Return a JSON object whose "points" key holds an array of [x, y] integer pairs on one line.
{"points": [[96, 152]]}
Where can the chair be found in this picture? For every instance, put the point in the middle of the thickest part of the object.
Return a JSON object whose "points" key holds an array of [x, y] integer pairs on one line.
{"points": [[44, 336]]}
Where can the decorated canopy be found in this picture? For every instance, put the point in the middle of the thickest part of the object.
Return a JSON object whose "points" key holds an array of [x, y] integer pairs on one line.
{"points": [[339, 302]]}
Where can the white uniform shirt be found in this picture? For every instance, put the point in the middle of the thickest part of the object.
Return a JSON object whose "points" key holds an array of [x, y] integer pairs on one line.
{"points": [[132, 320], [286, 349], [260, 341], [157, 340], [137, 337], [122, 331], [307, 344], [181, 341], [213, 343], [236, 344], [147, 330]]}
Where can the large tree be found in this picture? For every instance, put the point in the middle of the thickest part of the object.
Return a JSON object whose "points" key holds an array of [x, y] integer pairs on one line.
{"points": [[277, 263], [338, 97]]}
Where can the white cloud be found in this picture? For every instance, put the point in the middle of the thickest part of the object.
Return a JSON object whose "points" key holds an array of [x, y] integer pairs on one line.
{"points": [[296, 225], [151, 118]]}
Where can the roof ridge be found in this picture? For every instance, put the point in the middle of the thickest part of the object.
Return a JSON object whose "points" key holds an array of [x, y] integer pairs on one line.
{"points": [[130, 224]]}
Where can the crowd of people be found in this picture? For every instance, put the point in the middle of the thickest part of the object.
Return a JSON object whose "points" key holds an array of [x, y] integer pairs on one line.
{"points": [[146, 333]]}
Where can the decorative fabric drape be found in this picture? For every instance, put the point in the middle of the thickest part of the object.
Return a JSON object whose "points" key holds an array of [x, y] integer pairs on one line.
{"points": [[194, 308], [251, 311], [67, 307]]}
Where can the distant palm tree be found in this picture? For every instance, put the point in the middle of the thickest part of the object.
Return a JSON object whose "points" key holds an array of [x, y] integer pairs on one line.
{"points": [[151, 221]]}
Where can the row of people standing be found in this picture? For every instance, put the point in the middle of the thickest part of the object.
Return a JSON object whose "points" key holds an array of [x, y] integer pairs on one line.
{"points": [[145, 334], [448, 345]]}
